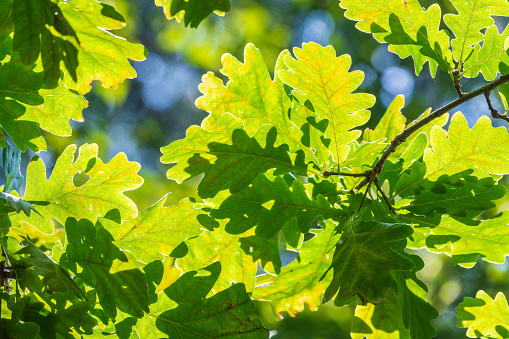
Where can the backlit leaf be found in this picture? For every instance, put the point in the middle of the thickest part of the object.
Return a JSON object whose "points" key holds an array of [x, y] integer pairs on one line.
{"points": [[269, 205], [482, 148], [488, 239], [407, 27], [102, 56], [363, 261], [322, 78], [252, 96], [233, 164], [391, 124], [184, 311], [193, 11], [484, 316], [229, 250], [59, 198], [472, 17], [299, 283], [157, 231], [90, 254], [380, 321]]}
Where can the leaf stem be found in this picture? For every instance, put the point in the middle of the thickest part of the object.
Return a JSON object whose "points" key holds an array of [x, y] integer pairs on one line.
{"points": [[377, 184]]}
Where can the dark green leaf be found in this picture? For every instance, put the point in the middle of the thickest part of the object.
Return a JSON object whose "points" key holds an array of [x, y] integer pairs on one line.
{"points": [[363, 261], [184, 311], [90, 254], [269, 205]]}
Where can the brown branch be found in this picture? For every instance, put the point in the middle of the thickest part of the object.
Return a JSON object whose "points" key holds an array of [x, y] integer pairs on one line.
{"points": [[377, 184], [457, 84], [400, 138], [366, 193], [494, 113], [328, 174]]}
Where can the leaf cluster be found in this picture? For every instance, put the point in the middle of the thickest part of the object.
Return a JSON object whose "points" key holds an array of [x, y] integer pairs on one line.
{"points": [[285, 171]]}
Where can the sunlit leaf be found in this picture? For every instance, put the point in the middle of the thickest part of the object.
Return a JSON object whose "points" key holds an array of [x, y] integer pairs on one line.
{"points": [[391, 124], [472, 17], [407, 27], [484, 317], [486, 59], [193, 11], [488, 239], [380, 321], [218, 245], [299, 283], [234, 165], [157, 231], [322, 78], [102, 56], [482, 148], [59, 198], [183, 309], [252, 96]]}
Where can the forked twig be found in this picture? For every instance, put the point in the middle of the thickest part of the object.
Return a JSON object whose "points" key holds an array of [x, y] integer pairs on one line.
{"points": [[494, 112], [379, 188]]}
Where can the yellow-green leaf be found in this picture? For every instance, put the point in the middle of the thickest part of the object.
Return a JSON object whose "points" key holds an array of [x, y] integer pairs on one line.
{"points": [[58, 197], [484, 317], [484, 149], [322, 78]]}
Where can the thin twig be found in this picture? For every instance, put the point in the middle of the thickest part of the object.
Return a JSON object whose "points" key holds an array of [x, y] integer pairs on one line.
{"points": [[328, 174], [377, 184], [400, 138], [457, 84], [365, 193], [494, 113]]}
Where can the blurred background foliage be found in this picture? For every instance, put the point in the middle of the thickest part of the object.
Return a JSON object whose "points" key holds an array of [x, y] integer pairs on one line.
{"points": [[155, 109]]}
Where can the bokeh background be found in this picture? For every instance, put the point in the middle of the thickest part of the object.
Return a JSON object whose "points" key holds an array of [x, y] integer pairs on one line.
{"points": [[157, 107]]}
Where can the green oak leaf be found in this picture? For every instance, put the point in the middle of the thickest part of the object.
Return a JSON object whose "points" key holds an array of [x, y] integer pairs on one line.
{"points": [[482, 148], [363, 261], [192, 11], [90, 254], [456, 195], [27, 104], [232, 166], [183, 309], [157, 231], [254, 97], [484, 316], [391, 124], [14, 203], [380, 321], [57, 317], [488, 239], [59, 198], [233, 251], [409, 29], [28, 22], [472, 17], [55, 277], [11, 161], [299, 283], [102, 55], [6, 23], [269, 205], [322, 78], [486, 59], [12, 325], [417, 313]]}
